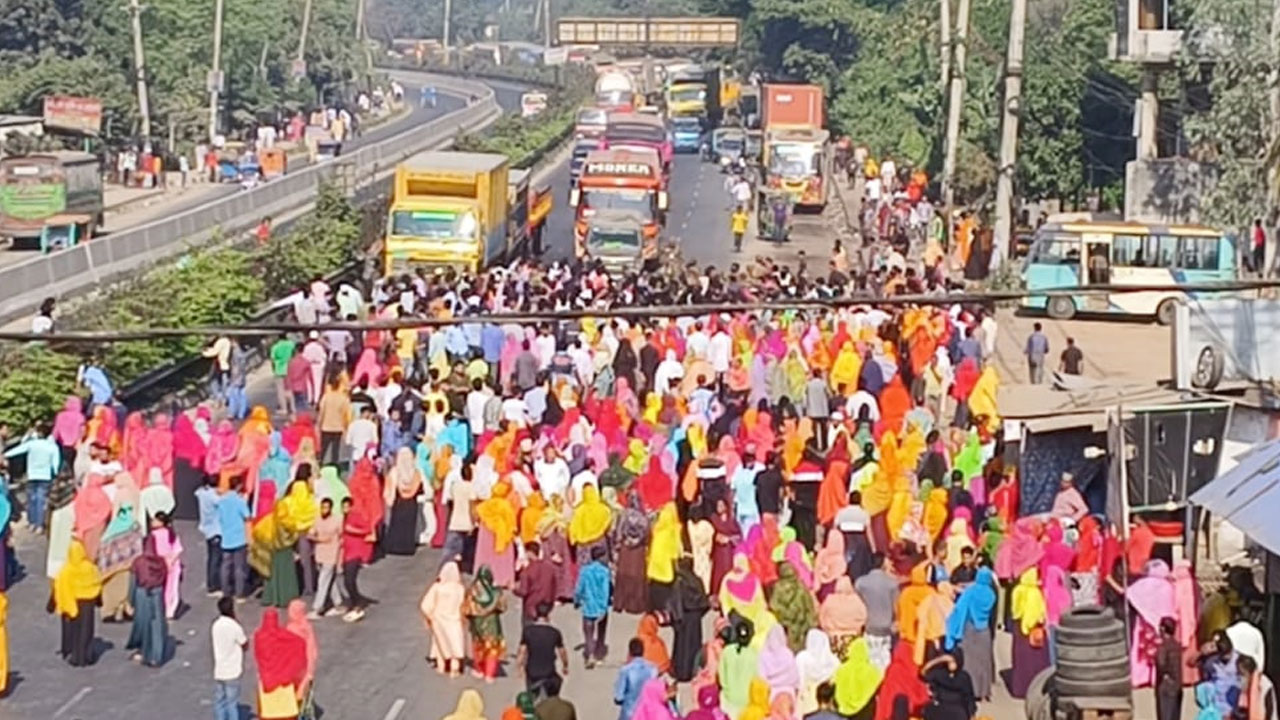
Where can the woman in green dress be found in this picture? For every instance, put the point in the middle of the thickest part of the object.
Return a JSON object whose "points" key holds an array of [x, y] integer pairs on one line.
{"points": [[483, 607]]}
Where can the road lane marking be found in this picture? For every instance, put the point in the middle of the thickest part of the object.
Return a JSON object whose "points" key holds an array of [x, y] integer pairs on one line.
{"points": [[71, 703], [396, 708]]}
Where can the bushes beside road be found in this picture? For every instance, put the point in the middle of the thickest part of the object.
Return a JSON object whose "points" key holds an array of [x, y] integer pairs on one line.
{"points": [[215, 286]]}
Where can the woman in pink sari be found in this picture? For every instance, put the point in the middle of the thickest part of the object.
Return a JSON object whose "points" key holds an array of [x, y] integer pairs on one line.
{"points": [[159, 449], [133, 448], [169, 547], [1057, 597], [1153, 599], [221, 449]]}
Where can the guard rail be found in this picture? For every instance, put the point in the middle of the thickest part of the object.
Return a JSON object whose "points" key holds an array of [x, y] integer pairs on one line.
{"points": [[89, 265]]}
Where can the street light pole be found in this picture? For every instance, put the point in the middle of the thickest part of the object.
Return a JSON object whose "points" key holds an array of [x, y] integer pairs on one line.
{"points": [[306, 26], [444, 39], [140, 69], [215, 75], [1009, 134]]}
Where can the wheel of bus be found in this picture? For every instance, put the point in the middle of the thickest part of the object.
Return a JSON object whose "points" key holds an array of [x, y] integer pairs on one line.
{"points": [[1166, 310], [1061, 307]]}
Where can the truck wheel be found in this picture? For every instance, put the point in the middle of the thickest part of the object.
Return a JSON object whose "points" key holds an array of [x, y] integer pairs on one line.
{"points": [[1166, 311], [1061, 308], [1209, 367]]}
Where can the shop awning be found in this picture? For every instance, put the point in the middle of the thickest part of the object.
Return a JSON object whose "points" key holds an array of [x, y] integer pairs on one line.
{"points": [[1248, 494]]}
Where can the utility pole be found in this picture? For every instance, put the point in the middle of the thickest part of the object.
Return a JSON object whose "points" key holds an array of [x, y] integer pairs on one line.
{"points": [[944, 26], [215, 75], [955, 105], [306, 27], [444, 40], [1009, 134], [360, 39], [1273, 177], [546, 23], [140, 69]]}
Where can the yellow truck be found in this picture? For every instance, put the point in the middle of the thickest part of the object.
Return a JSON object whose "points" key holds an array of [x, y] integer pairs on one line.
{"points": [[460, 209]]}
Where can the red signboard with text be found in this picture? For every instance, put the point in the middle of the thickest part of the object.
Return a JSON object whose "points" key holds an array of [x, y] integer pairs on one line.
{"points": [[68, 112]]}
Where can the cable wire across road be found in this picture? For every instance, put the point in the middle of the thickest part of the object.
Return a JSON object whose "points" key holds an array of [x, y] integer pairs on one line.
{"points": [[653, 311]]}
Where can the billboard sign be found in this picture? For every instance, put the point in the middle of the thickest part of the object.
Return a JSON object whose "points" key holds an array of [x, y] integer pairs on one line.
{"points": [[685, 32], [69, 112], [555, 56]]}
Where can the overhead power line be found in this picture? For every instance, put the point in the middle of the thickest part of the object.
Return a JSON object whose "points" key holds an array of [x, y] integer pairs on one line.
{"points": [[655, 311]]}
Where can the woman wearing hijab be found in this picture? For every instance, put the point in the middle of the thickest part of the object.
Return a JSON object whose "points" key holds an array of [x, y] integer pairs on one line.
{"points": [[842, 615], [220, 450], [951, 688], [688, 603], [654, 702], [590, 524], [281, 657], [271, 545], [169, 547], [708, 700], [496, 534], [902, 683], [76, 591], [909, 600], [298, 624], [728, 534], [121, 545], [553, 529], [665, 547], [739, 665], [470, 706], [1152, 598], [441, 609], [655, 650], [757, 707], [792, 604], [817, 665], [188, 467], [741, 591], [856, 681], [150, 631], [969, 627], [62, 520], [404, 485], [1029, 612], [483, 606], [777, 663]]}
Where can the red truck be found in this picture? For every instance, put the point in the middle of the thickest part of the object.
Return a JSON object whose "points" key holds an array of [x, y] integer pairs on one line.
{"points": [[797, 149], [794, 107]]}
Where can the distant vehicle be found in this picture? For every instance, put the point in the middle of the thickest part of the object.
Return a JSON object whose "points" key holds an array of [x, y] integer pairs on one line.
{"points": [[686, 133], [590, 122], [581, 149], [617, 239], [1083, 252], [727, 147], [634, 130], [532, 103], [37, 188]]}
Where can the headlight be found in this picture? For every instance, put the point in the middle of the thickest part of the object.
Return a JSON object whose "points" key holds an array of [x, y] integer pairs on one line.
{"points": [[724, 160]]}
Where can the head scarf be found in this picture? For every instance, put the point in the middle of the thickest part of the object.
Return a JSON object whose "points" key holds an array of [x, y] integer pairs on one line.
{"points": [[591, 518], [366, 492], [299, 625], [830, 564], [68, 425], [793, 605], [655, 651], [78, 579], [856, 679], [843, 613], [1027, 604], [901, 680], [188, 445], [652, 704], [816, 662], [331, 487], [92, 505], [778, 663], [1019, 550], [665, 545], [1057, 597], [404, 475], [498, 515], [149, 569], [757, 701], [1152, 595], [915, 593], [470, 706], [957, 540], [708, 699]]}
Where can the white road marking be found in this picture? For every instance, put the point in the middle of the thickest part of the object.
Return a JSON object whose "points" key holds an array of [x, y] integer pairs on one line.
{"points": [[396, 708], [71, 703]]}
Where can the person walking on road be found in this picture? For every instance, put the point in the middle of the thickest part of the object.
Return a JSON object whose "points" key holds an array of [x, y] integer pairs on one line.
{"points": [[1037, 350], [541, 644], [229, 643], [593, 595], [738, 226], [1072, 360]]}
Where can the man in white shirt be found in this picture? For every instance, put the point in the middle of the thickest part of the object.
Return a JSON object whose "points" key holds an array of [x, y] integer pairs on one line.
{"points": [[552, 473], [229, 643], [720, 351], [476, 400], [742, 193], [514, 410], [362, 433], [697, 342]]}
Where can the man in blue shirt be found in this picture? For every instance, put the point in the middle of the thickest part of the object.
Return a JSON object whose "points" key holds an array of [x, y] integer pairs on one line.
{"points": [[233, 528], [632, 678], [593, 596], [1036, 351], [95, 378], [44, 458], [207, 500]]}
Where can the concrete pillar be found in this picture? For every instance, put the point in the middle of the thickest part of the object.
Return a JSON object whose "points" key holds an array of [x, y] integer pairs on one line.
{"points": [[1149, 113]]}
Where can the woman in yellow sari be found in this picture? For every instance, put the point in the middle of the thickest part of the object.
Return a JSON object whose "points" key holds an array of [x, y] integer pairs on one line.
{"points": [[496, 534], [845, 370], [75, 595], [590, 523], [982, 401]]}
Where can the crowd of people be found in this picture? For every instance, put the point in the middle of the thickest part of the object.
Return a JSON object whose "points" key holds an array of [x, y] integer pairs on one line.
{"points": [[829, 486]]}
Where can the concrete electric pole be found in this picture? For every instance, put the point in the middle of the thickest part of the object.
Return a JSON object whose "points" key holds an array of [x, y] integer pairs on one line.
{"points": [[306, 27], [140, 69], [444, 37], [215, 73], [546, 23], [1009, 135], [944, 32], [955, 106]]}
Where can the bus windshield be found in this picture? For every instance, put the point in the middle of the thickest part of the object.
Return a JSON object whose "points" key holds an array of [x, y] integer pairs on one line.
{"points": [[638, 201], [790, 160], [635, 132], [608, 239], [434, 224]]}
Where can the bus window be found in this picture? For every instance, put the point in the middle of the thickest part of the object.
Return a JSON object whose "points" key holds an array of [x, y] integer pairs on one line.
{"points": [[1058, 249], [1198, 253], [1126, 251]]}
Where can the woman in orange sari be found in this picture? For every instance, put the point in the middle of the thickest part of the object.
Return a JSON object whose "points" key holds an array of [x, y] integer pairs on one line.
{"points": [[496, 534]]}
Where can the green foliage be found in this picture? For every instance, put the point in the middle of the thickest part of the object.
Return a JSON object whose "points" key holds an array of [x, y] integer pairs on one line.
{"points": [[1234, 129], [85, 47], [221, 286]]}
